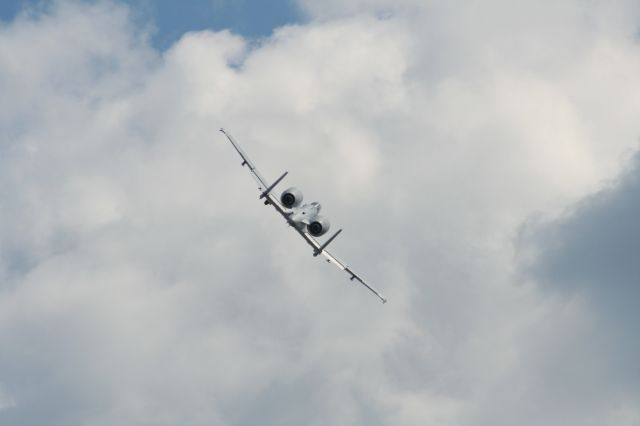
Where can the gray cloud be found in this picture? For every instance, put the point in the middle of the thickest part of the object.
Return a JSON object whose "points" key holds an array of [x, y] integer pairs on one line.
{"points": [[590, 254], [143, 284], [592, 248]]}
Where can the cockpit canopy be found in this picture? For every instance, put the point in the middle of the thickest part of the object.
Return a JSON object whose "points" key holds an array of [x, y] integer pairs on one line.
{"points": [[317, 205]]}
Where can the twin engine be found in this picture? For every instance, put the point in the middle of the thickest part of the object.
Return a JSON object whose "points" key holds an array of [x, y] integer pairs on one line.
{"points": [[319, 226], [291, 197]]}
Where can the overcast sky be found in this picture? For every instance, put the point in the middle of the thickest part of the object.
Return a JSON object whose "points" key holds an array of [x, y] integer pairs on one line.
{"points": [[480, 157]]}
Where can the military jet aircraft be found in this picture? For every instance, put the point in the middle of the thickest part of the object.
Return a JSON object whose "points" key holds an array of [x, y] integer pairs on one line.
{"points": [[304, 218]]}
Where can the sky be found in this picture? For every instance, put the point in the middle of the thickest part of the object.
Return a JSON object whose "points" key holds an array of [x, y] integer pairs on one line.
{"points": [[482, 159], [169, 20]]}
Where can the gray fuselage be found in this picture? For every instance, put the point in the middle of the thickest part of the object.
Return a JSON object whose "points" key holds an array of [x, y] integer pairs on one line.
{"points": [[303, 215]]}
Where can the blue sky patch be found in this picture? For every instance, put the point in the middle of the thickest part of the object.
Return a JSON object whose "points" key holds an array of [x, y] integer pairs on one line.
{"points": [[250, 18]]}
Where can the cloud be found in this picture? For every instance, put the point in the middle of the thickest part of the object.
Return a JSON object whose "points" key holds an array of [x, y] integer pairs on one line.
{"points": [[142, 283], [6, 401], [588, 254], [592, 245]]}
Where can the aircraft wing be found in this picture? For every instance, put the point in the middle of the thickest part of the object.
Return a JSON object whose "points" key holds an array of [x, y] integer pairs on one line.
{"points": [[265, 189], [262, 183], [332, 259]]}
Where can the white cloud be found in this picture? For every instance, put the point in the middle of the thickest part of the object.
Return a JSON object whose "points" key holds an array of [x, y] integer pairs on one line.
{"points": [[6, 400], [142, 283]]}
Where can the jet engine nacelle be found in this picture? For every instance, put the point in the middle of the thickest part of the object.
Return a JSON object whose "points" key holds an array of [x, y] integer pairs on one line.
{"points": [[319, 226], [291, 197]]}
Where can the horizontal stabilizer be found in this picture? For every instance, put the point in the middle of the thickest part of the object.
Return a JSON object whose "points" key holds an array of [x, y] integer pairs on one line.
{"points": [[268, 190], [324, 246]]}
